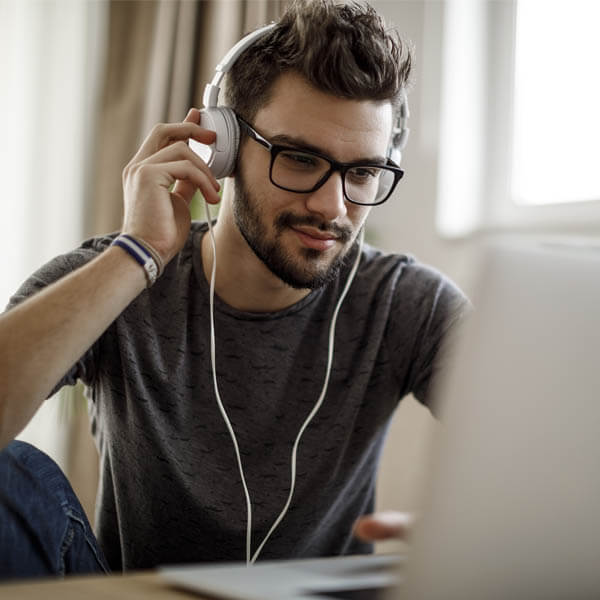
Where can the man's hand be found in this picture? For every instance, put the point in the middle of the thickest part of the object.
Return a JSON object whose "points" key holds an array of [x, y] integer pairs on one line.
{"points": [[153, 212], [384, 526]]}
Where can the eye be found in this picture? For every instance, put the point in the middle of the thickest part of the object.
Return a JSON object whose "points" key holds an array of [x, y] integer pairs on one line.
{"points": [[363, 175], [298, 160]]}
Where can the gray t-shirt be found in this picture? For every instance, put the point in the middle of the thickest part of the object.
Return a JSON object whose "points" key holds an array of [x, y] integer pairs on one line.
{"points": [[170, 491]]}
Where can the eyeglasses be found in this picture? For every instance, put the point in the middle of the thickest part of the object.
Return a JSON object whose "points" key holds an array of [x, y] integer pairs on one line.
{"points": [[304, 171]]}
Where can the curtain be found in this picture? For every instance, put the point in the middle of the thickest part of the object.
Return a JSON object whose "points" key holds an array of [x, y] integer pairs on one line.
{"points": [[160, 56], [50, 57]]}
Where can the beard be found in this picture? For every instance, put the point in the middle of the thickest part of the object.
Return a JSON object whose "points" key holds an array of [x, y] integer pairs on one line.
{"points": [[307, 269]]}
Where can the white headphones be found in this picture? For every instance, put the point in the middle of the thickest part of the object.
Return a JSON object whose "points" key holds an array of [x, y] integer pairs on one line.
{"points": [[221, 156]]}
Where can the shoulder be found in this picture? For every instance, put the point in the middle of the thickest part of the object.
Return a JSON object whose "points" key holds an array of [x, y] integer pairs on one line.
{"points": [[410, 296], [61, 265], [419, 306], [405, 276]]}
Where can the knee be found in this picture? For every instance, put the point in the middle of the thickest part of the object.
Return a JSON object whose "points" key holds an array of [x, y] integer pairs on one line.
{"points": [[21, 452], [30, 510], [21, 461], [38, 514]]}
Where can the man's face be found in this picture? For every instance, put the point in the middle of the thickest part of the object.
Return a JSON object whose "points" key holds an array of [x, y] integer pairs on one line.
{"points": [[303, 238]]}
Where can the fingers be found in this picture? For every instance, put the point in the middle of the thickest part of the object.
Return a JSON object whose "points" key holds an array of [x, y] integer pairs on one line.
{"points": [[185, 189], [383, 526], [193, 116], [179, 152], [164, 134], [166, 172], [167, 142]]}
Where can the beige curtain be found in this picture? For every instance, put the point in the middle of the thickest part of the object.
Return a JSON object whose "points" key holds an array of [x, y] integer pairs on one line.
{"points": [[159, 56]]}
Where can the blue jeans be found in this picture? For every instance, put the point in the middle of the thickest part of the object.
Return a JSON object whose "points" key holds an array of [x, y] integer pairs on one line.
{"points": [[43, 528]]}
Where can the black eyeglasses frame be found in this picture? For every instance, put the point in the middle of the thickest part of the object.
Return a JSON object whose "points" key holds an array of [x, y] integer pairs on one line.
{"points": [[335, 166]]}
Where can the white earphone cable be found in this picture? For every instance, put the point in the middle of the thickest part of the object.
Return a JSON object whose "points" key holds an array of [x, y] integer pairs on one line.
{"points": [[213, 360], [250, 559]]}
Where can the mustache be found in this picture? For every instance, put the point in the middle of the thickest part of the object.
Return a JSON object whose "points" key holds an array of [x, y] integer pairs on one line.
{"points": [[287, 219]]}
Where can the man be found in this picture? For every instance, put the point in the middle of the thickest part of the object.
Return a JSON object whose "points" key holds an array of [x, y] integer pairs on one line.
{"points": [[316, 99]]}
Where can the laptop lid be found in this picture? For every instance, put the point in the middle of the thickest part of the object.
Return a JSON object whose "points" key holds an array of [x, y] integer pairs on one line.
{"points": [[512, 506]]}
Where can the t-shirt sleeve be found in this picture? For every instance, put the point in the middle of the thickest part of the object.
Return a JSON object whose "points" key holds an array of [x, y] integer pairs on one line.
{"points": [[429, 309], [49, 273]]}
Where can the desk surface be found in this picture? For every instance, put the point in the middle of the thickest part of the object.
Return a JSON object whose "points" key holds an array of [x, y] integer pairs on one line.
{"points": [[137, 586]]}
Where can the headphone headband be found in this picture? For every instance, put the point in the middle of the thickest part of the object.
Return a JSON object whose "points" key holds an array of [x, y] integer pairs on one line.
{"points": [[212, 89]]}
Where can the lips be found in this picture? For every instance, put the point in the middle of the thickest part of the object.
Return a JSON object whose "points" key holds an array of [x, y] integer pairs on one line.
{"points": [[314, 238]]}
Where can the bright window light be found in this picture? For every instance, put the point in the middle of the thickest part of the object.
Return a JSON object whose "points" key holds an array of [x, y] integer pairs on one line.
{"points": [[556, 156]]}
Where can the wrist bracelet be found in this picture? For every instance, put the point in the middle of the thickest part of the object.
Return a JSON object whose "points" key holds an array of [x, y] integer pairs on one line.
{"points": [[143, 254]]}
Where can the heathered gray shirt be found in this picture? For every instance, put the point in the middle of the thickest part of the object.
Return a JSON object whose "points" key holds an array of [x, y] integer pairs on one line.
{"points": [[170, 491]]}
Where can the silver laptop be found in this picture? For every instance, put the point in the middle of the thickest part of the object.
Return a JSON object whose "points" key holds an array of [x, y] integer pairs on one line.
{"points": [[512, 505]]}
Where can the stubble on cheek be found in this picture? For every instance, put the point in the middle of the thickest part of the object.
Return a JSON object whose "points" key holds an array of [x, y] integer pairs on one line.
{"points": [[299, 267]]}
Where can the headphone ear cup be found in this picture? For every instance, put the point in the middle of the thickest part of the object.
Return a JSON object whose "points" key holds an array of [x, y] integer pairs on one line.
{"points": [[395, 154], [222, 154], [397, 144]]}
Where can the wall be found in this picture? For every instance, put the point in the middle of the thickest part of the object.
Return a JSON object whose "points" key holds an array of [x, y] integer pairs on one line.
{"points": [[406, 223]]}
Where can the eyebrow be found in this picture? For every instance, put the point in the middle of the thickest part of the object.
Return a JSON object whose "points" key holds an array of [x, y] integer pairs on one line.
{"points": [[300, 144]]}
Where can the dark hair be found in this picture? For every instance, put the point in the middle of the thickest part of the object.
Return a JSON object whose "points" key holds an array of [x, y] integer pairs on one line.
{"points": [[342, 49]]}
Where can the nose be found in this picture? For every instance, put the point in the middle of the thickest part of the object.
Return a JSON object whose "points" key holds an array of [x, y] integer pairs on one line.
{"points": [[328, 201]]}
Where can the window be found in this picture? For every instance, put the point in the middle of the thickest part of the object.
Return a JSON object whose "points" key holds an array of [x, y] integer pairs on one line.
{"points": [[556, 158], [518, 144]]}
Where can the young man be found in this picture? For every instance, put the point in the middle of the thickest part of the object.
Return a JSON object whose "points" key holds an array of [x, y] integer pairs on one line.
{"points": [[316, 99]]}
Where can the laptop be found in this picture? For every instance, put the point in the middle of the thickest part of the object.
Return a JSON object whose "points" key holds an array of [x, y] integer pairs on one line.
{"points": [[511, 508]]}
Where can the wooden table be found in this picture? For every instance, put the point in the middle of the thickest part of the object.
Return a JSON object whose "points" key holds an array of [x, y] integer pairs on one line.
{"points": [[136, 586]]}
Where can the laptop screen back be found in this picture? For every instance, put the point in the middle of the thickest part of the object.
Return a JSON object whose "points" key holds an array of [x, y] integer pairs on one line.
{"points": [[512, 509]]}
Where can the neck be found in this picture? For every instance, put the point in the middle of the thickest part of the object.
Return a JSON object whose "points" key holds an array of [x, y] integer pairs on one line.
{"points": [[242, 280]]}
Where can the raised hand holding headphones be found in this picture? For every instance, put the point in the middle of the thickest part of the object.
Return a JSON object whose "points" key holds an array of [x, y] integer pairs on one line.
{"points": [[221, 119]]}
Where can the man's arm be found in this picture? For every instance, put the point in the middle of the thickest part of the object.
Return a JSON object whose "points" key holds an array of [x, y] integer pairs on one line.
{"points": [[44, 336]]}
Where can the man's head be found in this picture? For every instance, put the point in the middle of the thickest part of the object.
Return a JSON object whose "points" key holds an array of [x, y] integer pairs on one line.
{"points": [[327, 78], [343, 49]]}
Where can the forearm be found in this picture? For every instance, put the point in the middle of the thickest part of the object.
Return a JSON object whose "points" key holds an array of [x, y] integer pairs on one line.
{"points": [[43, 337]]}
